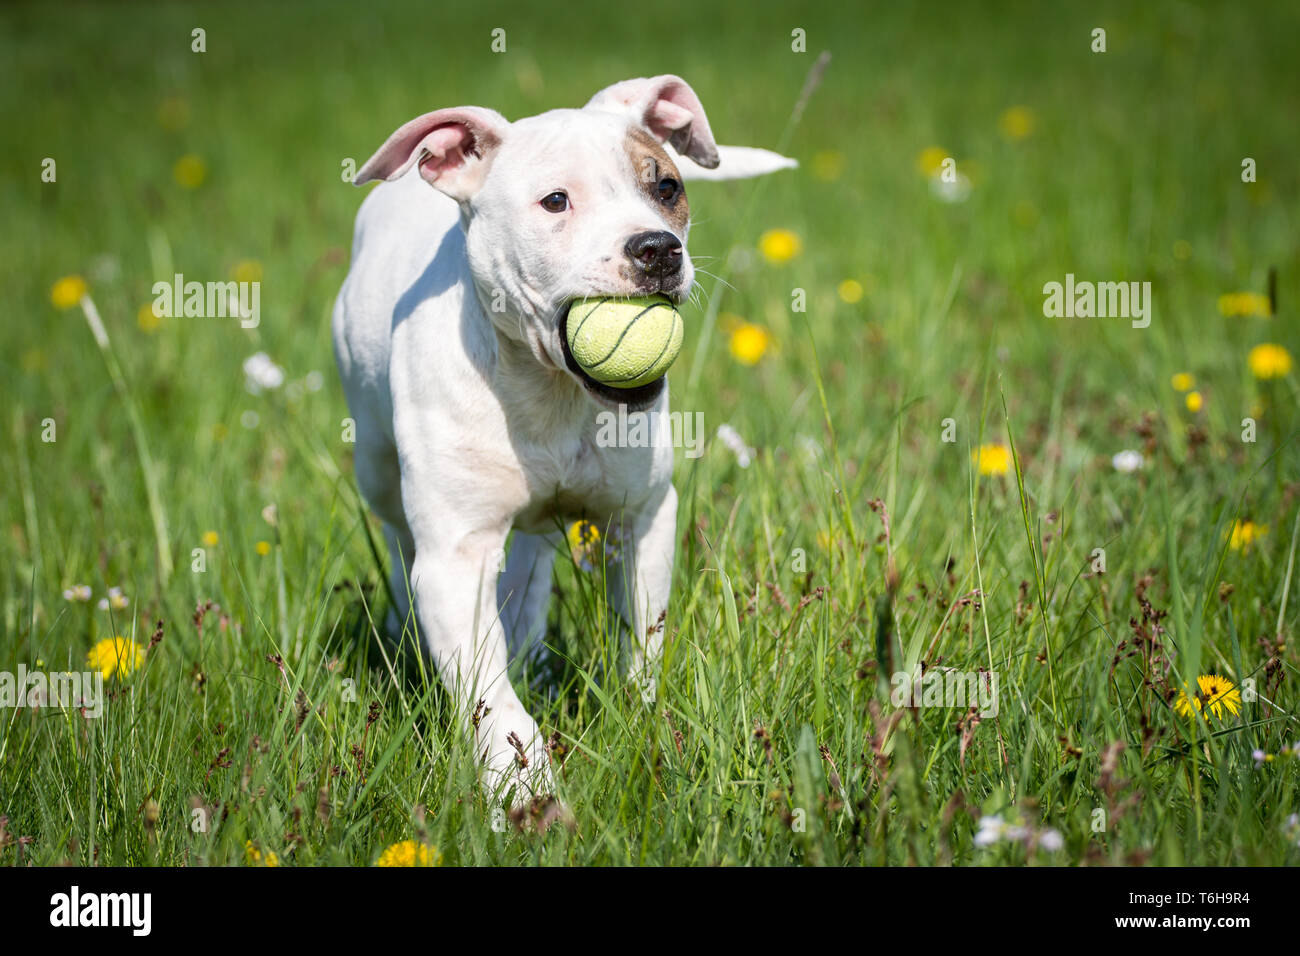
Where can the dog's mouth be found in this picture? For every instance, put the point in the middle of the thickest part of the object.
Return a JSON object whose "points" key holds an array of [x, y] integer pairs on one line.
{"points": [[636, 399]]}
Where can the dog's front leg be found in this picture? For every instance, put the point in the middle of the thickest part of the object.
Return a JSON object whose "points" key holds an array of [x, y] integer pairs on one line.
{"points": [[454, 581], [646, 579]]}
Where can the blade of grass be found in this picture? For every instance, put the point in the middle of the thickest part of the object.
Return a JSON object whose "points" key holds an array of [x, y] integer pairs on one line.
{"points": [[156, 511]]}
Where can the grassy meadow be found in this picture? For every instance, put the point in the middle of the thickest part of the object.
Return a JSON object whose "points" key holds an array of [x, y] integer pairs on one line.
{"points": [[919, 469]]}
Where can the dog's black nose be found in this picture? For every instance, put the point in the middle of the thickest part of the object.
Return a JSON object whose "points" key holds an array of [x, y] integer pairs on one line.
{"points": [[655, 253]]}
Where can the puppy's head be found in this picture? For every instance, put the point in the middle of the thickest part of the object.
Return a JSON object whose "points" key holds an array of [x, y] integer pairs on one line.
{"points": [[567, 205]]}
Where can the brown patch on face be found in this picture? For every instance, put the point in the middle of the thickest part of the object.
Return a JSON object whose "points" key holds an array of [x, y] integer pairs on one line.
{"points": [[652, 166]]}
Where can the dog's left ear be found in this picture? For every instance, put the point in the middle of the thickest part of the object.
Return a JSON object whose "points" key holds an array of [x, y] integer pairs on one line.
{"points": [[667, 107]]}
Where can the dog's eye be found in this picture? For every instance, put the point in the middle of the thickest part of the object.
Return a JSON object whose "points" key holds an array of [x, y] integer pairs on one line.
{"points": [[668, 189], [556, 202]]}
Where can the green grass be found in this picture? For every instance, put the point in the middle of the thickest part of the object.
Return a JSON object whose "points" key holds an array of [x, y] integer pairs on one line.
{"points": [[772, 740]]}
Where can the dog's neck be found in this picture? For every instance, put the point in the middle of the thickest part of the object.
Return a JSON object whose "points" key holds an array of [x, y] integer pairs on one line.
{"points": [[540, 399]]}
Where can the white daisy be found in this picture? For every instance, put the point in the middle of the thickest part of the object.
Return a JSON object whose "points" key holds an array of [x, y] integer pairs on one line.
{"points": [[1127, 461], [115, 600], [261, 373], [731, 438], [992, 829]]}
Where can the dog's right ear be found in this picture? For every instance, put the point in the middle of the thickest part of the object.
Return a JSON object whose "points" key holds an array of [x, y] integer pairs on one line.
{"points": [[454, 147]]}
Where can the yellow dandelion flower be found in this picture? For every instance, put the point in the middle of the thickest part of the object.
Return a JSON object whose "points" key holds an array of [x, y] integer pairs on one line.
{"points": [[1245, 533], [749, 343], [115, 656], [1017, 122], [409, 853], [850, 291], [190, 171], [779, 246], [1269, 361], [67, 292], [247, 270], [1214, 695], [582, 534], [1182, 381], [992, 459], [1195, 402], [263, 548], [253, 856], [147, 318], [584, 544], [828, 165], [930, 160], [211, 539], [1234, 304]]}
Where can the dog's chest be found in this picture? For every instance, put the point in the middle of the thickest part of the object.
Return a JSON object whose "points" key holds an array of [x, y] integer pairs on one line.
{"points": [[576, 477]]}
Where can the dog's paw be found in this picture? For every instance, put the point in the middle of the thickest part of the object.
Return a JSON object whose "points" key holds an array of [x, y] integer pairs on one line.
{"points": [[518, 772], [643, 681], [540, 814]]}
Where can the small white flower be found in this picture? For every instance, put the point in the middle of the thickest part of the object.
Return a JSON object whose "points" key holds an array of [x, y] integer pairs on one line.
{"points": [[1051, 840], [314, 381], [250, 419], [115, 600], [992, 829], [261, 373], [1127, 461], [105, 267], [1260, 757], [731, 438], [78, 592], [956, 190]]}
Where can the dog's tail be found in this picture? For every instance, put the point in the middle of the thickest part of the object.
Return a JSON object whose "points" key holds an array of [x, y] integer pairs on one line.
{"points": [[734, 162]]}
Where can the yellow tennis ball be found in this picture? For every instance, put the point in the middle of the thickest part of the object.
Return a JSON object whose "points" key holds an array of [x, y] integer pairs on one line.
{"points": [[624, 343]]}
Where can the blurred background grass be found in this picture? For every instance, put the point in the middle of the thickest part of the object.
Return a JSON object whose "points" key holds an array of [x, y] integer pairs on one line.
{"points": [[1123, 165]]}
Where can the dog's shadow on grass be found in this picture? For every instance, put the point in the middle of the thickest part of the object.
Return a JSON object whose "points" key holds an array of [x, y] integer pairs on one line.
{"points": [[392, 661], [552, 677]]}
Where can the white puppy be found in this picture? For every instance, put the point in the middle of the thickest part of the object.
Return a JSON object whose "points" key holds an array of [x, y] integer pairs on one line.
{"points": [[471, 416]]}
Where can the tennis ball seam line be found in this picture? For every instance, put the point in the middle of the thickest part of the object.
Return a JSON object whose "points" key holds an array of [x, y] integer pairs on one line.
{"points": [[667, 342], [633, 321], [599, 302], [658, 299]]}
